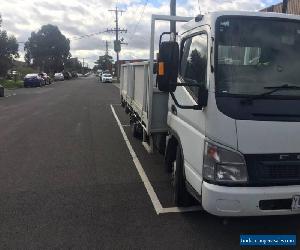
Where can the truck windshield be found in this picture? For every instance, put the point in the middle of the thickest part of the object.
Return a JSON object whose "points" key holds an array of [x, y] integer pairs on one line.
{"points": [[253, 53]]}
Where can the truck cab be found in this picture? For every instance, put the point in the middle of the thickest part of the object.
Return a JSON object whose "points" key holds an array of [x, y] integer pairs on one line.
{"points": [[233, 113]]}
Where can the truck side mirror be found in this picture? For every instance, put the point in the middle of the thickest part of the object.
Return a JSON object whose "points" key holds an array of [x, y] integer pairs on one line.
{"points": [[202, 96], [168, 66]]}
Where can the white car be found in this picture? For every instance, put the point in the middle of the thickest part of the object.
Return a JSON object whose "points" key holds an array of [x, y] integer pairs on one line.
{"points": [[59, 77], [106, 78]]}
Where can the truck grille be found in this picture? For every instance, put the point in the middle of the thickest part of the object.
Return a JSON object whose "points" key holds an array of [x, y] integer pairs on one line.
{"points": [[267, 170], [280, 172]]}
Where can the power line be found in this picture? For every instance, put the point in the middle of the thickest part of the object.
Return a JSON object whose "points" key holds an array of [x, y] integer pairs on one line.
{"points": [[87, 35], [142, 13]]}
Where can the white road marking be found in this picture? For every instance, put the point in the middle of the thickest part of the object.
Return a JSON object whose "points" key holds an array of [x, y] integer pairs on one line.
{"points": [[147, 147], [181, 209], [150, 190]]}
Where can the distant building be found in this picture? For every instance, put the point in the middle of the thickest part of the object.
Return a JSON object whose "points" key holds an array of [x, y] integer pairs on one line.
{"points": [[293, 7]]}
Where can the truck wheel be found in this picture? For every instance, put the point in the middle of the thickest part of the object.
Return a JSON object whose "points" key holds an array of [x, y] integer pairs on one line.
{"points": [[181, 197], [1, 91], [136, 131]]}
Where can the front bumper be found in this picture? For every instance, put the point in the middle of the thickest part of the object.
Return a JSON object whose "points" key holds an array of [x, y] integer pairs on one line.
{"points": [[107, 80], [245, 201]]}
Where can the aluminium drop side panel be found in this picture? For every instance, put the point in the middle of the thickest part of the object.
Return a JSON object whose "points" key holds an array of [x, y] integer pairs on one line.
{"points": [[130, 84], [139, 87], [124, 81], [121, 80]]}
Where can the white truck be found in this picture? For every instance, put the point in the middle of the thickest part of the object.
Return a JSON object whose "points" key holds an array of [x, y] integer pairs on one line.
{"points": [[222, 103]]}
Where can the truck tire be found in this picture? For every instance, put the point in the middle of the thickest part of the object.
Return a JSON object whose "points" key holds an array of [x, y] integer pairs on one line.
{"points": [[1, 91], [123, 103], [181, 196], [136, 130], [170, 155]]}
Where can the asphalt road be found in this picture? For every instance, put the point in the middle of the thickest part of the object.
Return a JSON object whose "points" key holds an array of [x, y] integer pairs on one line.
{"points": [[67, 180]]}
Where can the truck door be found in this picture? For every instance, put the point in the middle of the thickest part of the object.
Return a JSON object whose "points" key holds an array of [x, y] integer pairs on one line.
{"points": [[187, 123]]}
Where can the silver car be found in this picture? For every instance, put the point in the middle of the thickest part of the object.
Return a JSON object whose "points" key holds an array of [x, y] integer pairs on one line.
{"points": [[59, 77], [106, 78]]}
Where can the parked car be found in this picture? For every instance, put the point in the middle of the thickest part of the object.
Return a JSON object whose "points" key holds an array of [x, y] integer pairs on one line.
{"points": [[59, 77], [106, 78], [33, 80], [12, 74], [74, 74], [67, 75], [46, 78]]}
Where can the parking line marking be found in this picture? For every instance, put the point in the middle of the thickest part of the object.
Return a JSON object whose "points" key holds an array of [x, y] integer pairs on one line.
{"points": [[154, 199], [181, 209], [149, 188]]}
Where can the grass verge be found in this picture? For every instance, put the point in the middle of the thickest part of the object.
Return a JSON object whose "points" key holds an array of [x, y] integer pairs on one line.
{"points": [[11, 84]]}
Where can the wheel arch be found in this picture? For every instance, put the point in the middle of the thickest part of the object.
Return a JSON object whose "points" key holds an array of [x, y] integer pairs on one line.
{"points": [[172, 144]]}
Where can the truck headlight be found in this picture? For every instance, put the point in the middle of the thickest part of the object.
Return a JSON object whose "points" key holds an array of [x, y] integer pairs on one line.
{"points": [[223, 165]]}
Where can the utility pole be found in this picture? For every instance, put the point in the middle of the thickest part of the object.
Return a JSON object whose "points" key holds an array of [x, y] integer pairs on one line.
{"points": [[117, 42], [173, 13], [106, 47], [83, 65], [284, 6]]}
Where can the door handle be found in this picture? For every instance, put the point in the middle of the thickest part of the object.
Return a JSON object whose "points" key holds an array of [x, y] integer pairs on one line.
{"points": [[174, 109]]}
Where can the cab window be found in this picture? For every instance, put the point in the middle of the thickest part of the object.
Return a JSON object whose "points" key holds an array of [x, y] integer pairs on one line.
{"points": [[193, 68]]}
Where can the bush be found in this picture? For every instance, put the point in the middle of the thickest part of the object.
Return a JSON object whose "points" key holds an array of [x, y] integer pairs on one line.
{"points": [[11, 84]]}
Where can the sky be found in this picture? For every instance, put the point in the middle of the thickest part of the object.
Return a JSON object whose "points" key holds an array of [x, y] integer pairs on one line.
{"points": [[80, 17]]}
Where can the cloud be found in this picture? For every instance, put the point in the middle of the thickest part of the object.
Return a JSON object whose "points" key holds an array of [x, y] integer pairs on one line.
{"points": [[79, 17]]}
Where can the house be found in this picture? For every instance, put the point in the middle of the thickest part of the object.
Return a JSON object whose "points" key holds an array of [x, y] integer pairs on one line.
{"points": [[292, 7]]}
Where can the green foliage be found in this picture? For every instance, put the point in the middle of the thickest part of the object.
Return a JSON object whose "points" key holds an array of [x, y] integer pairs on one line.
{"points": [[11, 84], [73, 64], [8, 51], [47, 49], [23, 71], [104, 63]]}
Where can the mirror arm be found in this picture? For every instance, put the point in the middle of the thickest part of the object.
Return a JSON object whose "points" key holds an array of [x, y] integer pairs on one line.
{"points": [[195, 107]]}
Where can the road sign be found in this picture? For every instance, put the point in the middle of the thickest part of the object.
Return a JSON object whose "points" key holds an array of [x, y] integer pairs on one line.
{"points": [[117, 46]]}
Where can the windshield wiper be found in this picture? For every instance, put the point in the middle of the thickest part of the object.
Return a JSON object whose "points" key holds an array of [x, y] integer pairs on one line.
{"points": [[274, 89]]}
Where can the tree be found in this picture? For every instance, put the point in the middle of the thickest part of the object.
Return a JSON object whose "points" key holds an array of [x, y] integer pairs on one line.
{"points": [[8, 50], [73, 64], [48, 49], [104, 63]]}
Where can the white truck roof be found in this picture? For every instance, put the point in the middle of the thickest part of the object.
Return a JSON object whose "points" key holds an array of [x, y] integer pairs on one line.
{"points": [[211, 17]]}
